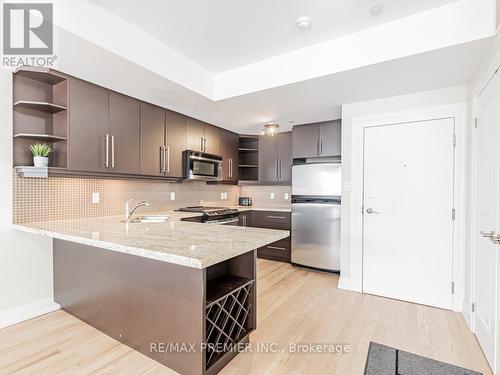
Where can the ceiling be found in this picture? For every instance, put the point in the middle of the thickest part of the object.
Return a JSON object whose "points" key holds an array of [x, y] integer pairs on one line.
{"points": [[308, 101], [220, 35]]}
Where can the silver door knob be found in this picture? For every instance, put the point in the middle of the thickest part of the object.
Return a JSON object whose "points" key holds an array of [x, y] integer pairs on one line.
{"points": [[371, 211], [495, 239]]}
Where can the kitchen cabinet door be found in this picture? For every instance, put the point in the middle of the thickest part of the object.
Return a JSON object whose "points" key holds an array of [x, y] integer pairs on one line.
{"points": [[124, 127], [176, 143], [152, 140], [268, 158], [212, 139], [195, 134], [305, 141], [330, 138], [234, 154], [285, 156], [89, 124], [229, 143]]}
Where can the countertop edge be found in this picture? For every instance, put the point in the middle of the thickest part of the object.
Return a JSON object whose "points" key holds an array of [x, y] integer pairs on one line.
{"points": [[150, 254]]}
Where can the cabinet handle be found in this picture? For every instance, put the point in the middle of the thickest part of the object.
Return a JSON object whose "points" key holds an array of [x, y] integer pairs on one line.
{"points": [[317, 147], [201, 147], [321, 147], [162, 159], [280, 169], [167, 150], [276, 248], [277, 172], [106, 162], [112, 151], [229, 167], [205, 150], [276, 217]]}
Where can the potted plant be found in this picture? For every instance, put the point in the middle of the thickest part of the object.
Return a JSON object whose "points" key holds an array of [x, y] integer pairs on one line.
{"points": [[40, 153]]}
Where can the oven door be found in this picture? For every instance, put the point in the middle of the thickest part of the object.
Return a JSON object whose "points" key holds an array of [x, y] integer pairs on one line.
{"points": [[201, 166]]}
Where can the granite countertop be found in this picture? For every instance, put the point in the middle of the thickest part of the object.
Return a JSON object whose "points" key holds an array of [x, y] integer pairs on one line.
{"points": [[188, 244]]}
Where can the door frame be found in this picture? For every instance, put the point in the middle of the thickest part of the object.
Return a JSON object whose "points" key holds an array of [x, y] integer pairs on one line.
{"points": [[459, 113]]}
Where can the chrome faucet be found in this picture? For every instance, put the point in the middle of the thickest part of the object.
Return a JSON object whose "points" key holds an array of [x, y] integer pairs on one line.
{"points": [[129, 211]]}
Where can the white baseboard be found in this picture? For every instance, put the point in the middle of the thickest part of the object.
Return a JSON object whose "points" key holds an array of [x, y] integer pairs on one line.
{"points": [[344, 283], [25, 312]]}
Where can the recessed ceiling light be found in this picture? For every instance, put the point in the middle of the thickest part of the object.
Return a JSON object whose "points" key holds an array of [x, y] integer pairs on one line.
{"points": [[303, 23], [376, 10]]}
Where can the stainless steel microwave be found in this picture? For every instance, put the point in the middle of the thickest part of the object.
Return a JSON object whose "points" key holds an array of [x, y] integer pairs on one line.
{"points": [[202, 166]]}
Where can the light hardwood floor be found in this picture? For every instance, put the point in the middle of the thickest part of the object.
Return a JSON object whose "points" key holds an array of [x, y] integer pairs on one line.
{"points": [[294, 305]]}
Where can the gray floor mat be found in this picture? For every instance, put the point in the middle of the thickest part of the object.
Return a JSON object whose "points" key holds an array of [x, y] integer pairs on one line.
{"points": [[384, 360]]}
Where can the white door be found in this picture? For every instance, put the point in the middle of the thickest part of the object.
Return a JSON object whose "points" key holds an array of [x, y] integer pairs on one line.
{"points": [[408, 203], [486, 253]]}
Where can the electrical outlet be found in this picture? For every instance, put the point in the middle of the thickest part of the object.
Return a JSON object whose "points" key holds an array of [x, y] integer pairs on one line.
{"points": [[96, 198], [172, 195], [225, 195], [222, 196], [347, 187], [271, 196], [287, 196]]}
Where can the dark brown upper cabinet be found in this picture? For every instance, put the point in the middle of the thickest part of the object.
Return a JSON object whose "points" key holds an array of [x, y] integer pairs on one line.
{"points": [[212, 139], [124, 128], [195, 135], [153, 134], [285, 157], [275, 158], [317, 140], [229, 143], [88, 144], [98, 132], [175, 143], [202, 137]]}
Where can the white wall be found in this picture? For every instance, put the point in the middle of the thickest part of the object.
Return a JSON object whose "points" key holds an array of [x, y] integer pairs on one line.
{"points": [[489, 64], [25, 260], [429, 99]]}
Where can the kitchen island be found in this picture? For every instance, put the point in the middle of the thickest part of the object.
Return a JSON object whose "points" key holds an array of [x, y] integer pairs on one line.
{"points": [[181, 293]]}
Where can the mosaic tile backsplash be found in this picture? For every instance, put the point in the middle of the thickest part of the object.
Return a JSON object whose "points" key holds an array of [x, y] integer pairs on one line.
{"points": [[67, 198]]}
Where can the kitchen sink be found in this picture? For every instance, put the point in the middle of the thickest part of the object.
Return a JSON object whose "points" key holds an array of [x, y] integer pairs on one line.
{"points": [[147, 219]]}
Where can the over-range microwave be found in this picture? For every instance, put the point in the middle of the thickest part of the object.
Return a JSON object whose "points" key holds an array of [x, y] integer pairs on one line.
{"points": [[202, 166]]}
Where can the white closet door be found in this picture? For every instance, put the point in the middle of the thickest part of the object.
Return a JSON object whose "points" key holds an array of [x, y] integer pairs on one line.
{"points": [[486, 251]]}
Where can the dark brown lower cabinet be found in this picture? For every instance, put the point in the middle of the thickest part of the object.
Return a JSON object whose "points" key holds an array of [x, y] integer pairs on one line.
{"points": [[158, 308], [280, 250]]}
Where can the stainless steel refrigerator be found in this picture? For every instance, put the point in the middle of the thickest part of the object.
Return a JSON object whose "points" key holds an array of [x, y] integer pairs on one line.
{"points": [[316, 199]]}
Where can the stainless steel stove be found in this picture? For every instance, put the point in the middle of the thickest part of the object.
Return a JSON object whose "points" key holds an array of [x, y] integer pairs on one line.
{"points": [[212, 215]]}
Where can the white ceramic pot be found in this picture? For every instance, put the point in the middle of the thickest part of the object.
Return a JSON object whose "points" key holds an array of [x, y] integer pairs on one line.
{"points": [[40, 161]]}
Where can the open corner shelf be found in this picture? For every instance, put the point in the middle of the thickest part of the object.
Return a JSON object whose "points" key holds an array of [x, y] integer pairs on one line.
{"points": [[249, 158], [43, 75], [40, 113], [40, 106], [222, 285], [45, 137]]}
